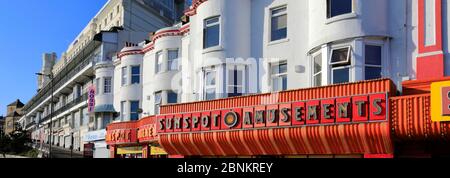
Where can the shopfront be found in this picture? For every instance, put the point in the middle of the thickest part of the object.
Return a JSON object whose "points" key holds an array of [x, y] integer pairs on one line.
{"points": [[135, 139], [358, 120]]}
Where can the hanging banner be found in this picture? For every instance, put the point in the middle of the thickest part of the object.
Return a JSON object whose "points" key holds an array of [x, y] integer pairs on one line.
{"points": [[91, 99]]}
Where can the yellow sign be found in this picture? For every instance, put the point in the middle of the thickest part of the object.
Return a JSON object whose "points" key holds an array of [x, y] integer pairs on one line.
{"points": [[157, 151], [440, 101], [129, 150]]}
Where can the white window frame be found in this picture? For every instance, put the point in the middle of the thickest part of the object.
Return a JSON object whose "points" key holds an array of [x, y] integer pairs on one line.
{"points": [[331, 17], [206, 86], [133, 75], [122, 110], [206, 26], [159, 56], [277, 15], [232, 68], [350, 66], [278, 75], [158, 103], [97, 86], [105, 87], [171, 61], [314, 74], [349, 53], [383, 56], [124, 76], [131, 112]]}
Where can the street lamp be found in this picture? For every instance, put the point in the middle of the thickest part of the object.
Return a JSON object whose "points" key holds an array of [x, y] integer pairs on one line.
{"points": [[51, 112]]}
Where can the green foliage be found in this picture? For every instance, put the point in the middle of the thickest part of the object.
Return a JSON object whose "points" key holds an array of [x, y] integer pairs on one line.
{"points": [[15, 143]]}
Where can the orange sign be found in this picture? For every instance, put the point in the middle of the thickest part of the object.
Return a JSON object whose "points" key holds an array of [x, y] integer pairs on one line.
{"points": [[147, 133]]}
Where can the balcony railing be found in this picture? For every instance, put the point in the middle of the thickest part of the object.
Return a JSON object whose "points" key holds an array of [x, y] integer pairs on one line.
{"points": [[83, 58], [71, 104]]}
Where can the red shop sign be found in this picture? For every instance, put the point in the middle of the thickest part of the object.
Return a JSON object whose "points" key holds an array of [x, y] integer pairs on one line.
{"points": [[330, 111]]}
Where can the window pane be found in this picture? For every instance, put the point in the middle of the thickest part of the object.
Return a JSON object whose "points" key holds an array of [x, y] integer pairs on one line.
{"points": [[158, 98], [279, 27], [318, 80], [134, 106], [279, 69], [135, 74], [158, 62], [318, 63], [279, 83], [234, 91], [135, 70], [373, 73], [210, 94], [107, 85], [373, 55], [212, 20], [122, 110], [284, 82], [210, 78], [211, 36], [235, 77], [341, 75], [340, 55], [172, 97], [338, 7], [173, 60], [124, 76], [106, 120]]}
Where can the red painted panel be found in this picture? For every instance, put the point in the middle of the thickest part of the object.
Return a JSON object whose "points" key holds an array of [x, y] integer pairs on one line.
{"points": [[216, 120], [272, 118], [188, 123], [160, 125], [313, 107], [262, 110], [285, 121], [298, 110], [377, 113], [251, 115], [196, 125], [205, 124], [330, 106], [430, 67], [178, 123], [344, 103], [360, 114]]}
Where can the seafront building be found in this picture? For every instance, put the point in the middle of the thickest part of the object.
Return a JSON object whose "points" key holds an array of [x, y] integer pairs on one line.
{"points": [[282, 78], [72, 78]]}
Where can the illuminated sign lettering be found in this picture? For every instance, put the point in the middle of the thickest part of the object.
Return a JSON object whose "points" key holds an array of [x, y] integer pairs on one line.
{"points": [[352, 109]]}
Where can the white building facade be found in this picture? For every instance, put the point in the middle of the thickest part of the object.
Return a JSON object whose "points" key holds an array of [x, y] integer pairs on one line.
{"points": [[87, 67], [238, 47]]}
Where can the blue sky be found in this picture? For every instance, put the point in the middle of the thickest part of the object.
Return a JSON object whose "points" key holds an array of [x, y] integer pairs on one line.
{"points": [[28, 29]]}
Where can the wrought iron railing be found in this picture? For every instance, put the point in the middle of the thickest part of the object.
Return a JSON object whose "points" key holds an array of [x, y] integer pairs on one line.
{"points": [[82, 98]]}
